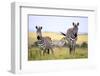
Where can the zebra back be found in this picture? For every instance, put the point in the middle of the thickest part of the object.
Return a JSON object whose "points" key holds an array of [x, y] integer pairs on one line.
{"points": [[45, 43]]}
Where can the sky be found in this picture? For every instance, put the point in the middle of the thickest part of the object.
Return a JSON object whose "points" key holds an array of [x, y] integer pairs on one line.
{"points": [[57, 23]]}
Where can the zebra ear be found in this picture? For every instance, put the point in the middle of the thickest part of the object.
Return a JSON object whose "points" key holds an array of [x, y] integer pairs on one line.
{"points": [[36, 27], [78, 24], [73, 24], [41, 27]]}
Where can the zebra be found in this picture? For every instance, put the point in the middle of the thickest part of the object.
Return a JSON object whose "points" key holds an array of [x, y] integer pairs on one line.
{"points": [[59, 43], [71, 37], [44, 42]]}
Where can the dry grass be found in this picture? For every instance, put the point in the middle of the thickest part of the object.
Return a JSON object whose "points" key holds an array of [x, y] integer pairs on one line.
{"points": [[56, 36], [60, 53]]}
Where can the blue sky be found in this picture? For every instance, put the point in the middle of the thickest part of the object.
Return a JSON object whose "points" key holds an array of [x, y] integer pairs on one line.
{"points": [[57, 23]]}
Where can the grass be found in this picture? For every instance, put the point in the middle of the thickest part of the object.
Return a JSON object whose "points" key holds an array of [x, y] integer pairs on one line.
{"points": [[59, 53]]}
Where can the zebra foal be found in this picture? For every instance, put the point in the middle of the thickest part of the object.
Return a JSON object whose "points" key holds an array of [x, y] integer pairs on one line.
{"points": [[45, 43]]}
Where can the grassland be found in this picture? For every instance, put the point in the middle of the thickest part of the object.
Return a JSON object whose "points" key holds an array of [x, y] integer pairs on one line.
{"points": [[59, 53]]}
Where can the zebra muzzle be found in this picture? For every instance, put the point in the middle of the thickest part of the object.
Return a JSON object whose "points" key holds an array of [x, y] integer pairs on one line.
{"points": [[38, 37]]}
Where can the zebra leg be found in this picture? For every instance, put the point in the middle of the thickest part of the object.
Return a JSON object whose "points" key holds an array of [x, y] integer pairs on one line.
{"points": [[52, 51], [74, 46], [48, 51], [74, 49], [40, 52], [44, 51], [70, 49]]}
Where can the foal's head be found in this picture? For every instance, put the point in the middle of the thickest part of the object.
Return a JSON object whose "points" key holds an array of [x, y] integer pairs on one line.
{"points": [[39, 33]]}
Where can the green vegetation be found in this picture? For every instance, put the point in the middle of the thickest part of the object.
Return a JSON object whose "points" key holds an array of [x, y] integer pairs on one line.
{"points": [[35, 53]]}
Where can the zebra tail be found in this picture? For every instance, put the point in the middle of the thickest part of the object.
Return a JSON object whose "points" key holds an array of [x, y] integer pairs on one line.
{"points": [[63, 33]]}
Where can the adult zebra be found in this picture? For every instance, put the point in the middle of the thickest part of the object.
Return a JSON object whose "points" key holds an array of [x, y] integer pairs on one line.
{"points": [[71, 36], [45, 43]]}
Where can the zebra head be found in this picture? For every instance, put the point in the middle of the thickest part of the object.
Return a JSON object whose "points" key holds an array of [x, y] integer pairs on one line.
{"points": [[75, 28], [39, 33]]}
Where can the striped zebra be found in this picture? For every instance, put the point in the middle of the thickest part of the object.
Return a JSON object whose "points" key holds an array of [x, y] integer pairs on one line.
{"points": [[71, 37], [45, 43]]}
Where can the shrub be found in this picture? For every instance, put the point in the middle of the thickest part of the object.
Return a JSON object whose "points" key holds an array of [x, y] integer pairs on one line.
{"points": [[77, 45], [84, 45]]}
